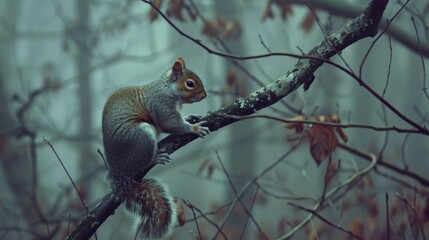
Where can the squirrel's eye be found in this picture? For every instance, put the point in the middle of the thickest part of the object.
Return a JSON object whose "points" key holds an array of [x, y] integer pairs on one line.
{"points": [[190, 84]]}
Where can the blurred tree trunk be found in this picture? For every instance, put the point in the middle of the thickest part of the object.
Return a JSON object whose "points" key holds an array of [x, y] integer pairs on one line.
{"points": [[87, 156], [15, 154], [242, 154]]}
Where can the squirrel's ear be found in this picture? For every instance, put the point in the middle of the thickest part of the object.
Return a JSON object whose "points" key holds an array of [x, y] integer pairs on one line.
{"points": [[179, 59], [178, 66]]}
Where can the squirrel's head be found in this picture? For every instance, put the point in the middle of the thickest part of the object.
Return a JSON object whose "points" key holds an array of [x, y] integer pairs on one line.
{"points": [[189, 86]]}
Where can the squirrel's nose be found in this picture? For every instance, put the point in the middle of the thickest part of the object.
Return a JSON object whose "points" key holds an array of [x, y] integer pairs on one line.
{"points": [[203, 95]]}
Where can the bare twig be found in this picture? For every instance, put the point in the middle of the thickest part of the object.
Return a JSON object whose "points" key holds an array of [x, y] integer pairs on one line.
{"points": [[68, 175], [249, 214], [329, 124], [378, 37], [389, 67], [416, 215], [196, 220], [190, 205], [424, 89], [353, 178], [327, 221], [247, 218]]}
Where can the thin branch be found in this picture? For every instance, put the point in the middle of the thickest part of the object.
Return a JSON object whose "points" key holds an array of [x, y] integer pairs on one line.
{"points": [[422, 180], [352, 179], [247, 218], [68, 175], [239, 198], [329, 124], [378, 37], [415, 213], [325, 220], [196, 221], [389, 67], [424, 89], [190, 205]]}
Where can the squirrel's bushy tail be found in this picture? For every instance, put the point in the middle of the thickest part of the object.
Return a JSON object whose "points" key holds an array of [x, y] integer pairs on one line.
{"points": [[152, 203]]}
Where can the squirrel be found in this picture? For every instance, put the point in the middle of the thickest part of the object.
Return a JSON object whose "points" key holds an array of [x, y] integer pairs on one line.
{"points": [[133, 118]]}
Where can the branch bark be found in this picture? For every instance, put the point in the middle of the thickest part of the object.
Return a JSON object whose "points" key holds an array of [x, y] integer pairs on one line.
{"points": [[365, 25]]}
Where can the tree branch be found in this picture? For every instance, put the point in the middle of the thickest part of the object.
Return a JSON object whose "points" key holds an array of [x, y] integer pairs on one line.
{"points": [[365, 25], [350, 10]]}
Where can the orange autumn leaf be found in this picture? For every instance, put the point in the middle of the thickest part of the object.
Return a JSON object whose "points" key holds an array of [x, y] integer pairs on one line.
{"points": [[323, 141], [308, 22]]}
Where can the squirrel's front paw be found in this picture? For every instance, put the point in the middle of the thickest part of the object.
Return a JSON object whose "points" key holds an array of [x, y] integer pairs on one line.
{"points": [[193, 118], [200, 130]]}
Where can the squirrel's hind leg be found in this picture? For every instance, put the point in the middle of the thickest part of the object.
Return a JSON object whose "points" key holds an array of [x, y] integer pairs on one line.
{"points": [[162, 156]]}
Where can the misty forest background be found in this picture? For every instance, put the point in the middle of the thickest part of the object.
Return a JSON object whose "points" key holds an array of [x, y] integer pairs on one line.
{"points": [[60, 60]]}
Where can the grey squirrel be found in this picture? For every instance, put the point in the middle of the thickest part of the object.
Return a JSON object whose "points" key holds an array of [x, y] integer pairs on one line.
{"points": [[133, 118]]}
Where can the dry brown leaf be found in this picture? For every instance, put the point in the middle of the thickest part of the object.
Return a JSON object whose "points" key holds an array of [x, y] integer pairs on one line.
{"points": [[207, 164], [210, 171], [220, 22], [282, 226], [231, 77], [210, 29], [308, 22], [357, 227], [229, 29], [335, 119], [268, 13], [331, 171], [203, 165], [175, 9], [372, 207], [323, 141], [153, 14], [286, 10], [342, 135], [181, 218], [371, 224], [347, 204], [298, 127]]}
